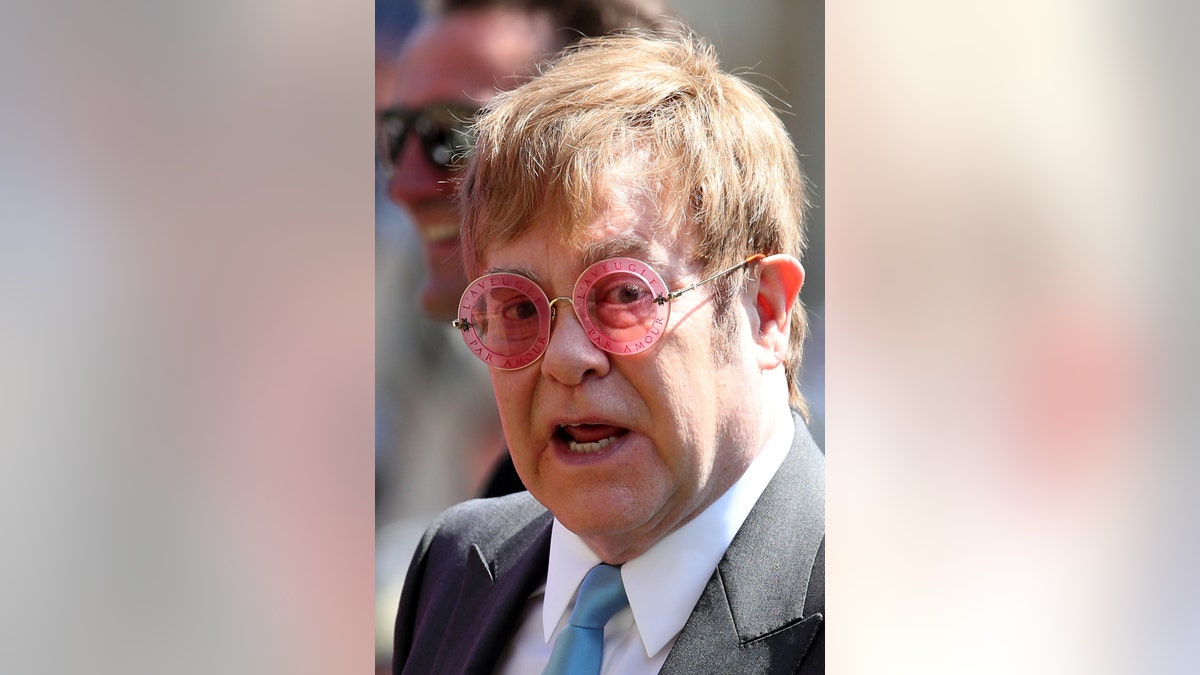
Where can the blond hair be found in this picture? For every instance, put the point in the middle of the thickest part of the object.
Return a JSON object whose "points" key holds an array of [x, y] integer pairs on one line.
{"points": [[713, 150]]}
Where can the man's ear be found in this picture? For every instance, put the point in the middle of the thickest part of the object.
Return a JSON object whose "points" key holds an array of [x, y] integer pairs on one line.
{"points": [[780, 277]]}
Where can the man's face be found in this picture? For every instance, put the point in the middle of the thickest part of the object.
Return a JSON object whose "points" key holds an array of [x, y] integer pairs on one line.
{"points": [[672, 420], [463, 58]]}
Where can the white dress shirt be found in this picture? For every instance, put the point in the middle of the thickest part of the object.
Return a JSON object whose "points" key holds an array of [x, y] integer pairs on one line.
{"points": [[663, 584]]}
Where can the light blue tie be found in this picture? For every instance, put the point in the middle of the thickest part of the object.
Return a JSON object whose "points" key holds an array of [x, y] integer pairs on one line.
{"points": [[580, 645]]}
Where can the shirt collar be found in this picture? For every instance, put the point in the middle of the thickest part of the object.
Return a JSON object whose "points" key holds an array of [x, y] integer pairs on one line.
{"points": [[570, 560], [665, 582]]}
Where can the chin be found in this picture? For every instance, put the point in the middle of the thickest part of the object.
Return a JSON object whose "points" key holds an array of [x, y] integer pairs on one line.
{"points": [[599, 516], [438, 306]]}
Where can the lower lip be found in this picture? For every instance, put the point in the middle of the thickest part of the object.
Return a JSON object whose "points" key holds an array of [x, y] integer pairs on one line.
{"points": [[443, 246]]}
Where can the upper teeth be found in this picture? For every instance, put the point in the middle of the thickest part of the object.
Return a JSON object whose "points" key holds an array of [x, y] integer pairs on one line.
{"points": [[594, 446], [442, 232]]}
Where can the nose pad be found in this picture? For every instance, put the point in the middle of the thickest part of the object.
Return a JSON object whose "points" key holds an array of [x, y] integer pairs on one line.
{"points": [[554, 309], [554, 312]]}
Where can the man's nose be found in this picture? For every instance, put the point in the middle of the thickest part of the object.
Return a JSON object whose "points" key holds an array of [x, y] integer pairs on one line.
{"points": [[414, 179], [570, 355]]}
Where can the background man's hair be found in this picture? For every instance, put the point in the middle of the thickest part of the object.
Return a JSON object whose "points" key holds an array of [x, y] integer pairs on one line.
{"points": [[642, 111], [576, 19]]}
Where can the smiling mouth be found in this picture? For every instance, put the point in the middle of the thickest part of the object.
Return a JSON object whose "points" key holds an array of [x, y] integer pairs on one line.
{"points": [[442, 233], [586, 439]]}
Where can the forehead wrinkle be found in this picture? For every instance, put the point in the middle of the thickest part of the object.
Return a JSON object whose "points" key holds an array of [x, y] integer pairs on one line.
{"points": [[627, 245]]}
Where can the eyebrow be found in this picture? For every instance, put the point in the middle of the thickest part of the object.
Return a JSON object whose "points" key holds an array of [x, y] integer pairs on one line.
{"points": [[625, 246]]}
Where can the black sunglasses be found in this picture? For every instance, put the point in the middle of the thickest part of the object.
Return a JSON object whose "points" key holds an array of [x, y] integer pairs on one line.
{"points": [[444, 130]]}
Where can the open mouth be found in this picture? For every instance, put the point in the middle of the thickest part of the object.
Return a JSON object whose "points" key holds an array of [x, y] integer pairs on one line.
{"points": [[589, 438]]}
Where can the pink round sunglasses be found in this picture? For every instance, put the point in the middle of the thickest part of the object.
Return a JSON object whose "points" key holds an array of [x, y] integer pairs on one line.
{"points": [[505, 318]]}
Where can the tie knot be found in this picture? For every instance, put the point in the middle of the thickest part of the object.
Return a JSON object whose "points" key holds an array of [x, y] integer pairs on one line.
{"points": [[600, 596]]}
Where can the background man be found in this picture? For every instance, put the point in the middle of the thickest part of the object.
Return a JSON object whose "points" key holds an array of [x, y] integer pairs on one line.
{"points": [[457, 59], [635, 214]]}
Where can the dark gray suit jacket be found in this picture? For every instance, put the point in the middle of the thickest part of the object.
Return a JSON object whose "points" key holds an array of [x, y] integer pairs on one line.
{"points": [[761, 612]]}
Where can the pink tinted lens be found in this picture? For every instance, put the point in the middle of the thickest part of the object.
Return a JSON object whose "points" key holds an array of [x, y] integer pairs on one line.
{"points": [[509, 320], [621, 314]]}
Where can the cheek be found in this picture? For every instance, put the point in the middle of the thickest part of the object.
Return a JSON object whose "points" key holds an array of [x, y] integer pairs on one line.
{"points": [[688, 416], [680, 397], [680, 422], [514, 397]]}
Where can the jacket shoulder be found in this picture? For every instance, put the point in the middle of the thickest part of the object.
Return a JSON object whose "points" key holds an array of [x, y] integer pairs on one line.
{"points": [[487, 523], [454, 573]]}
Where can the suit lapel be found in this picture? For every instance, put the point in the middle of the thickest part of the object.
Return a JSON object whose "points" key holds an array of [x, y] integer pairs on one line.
{"points": [[751, 616], [496, 586]]}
